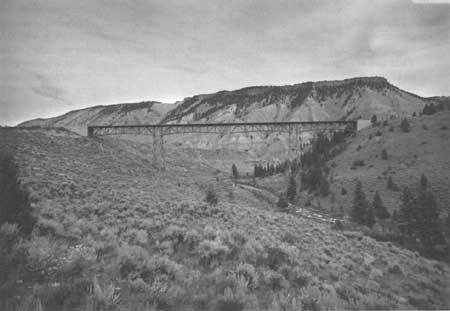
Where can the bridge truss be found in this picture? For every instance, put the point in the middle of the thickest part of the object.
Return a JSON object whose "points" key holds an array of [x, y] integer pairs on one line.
{"points": [[159, 131]]}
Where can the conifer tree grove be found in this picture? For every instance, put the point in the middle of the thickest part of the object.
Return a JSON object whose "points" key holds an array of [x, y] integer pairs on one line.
{"points": [[427, 224], [419, 217]]}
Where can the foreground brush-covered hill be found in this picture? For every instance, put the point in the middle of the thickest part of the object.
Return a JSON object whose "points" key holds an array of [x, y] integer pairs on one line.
{"points": [[78, 120], [114, 232]]}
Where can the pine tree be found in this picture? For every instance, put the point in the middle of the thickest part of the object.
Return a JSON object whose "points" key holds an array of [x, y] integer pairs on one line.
{"points": [[234, 171], [447, 226], [369, 217], [391, 185], [282, 203], [211, 196], [360, 205], [373, 120], [405, 214], [423, 183], [427, 216], [379, 208], [292, 189], [404, 125], [324, 187]]}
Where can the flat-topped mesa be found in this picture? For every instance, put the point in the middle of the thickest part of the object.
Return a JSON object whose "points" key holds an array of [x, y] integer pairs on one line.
{"points": [[304, 101], [359, 81]]}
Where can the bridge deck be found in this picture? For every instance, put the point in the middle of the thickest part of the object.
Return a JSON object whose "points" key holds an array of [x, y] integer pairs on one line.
{"points": [[168, 129]]}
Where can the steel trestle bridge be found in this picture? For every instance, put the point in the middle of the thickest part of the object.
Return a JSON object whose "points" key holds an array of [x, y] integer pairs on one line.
{"points": [[158, 131]]}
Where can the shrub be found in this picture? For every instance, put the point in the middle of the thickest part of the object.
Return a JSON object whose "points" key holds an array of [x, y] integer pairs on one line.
{"points": [[41, 257], [343, 191], [310, 304], [282, 203], [391, 128], [50, 227], [14, 200], [373, 120], [337, 225], [232, 300], [247, 271], [274, 280], [405, 126], [253, 251], [67, 296], [384, 154], [210, 251], [132, 260], [276, 257], [391, 185], [395, 269], [358, 163], [378, 133], [299, 278], [211, 196], [105, 297]]}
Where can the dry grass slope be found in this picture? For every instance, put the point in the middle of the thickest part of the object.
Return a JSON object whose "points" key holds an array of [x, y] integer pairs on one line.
{"points": [[153, 241], [425, 149]]}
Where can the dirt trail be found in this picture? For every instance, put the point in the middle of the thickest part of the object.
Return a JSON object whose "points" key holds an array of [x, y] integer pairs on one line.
{"points": [[270, 197]]}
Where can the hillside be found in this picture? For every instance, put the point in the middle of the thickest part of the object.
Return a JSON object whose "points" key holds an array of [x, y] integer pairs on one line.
{"points": [[423, 150], [104, 209], [78, 120], [350, 99]]}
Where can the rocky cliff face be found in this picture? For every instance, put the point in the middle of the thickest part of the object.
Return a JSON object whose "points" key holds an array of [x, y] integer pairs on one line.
{"points": [[79, 120], [350, 99]]}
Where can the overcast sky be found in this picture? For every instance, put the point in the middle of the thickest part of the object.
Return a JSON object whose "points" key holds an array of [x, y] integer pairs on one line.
{"points": [[59, 55]]}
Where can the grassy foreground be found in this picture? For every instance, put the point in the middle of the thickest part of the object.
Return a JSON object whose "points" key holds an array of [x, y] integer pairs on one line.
{"points": [[116, 233]]}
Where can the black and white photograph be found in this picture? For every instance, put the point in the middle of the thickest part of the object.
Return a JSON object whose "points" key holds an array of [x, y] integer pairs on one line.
{"points": [[224, 155]]}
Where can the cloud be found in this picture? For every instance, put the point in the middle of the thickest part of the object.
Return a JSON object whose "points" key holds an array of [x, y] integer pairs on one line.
{"points": [[431, 1], [46, 88], [90, 52]]}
